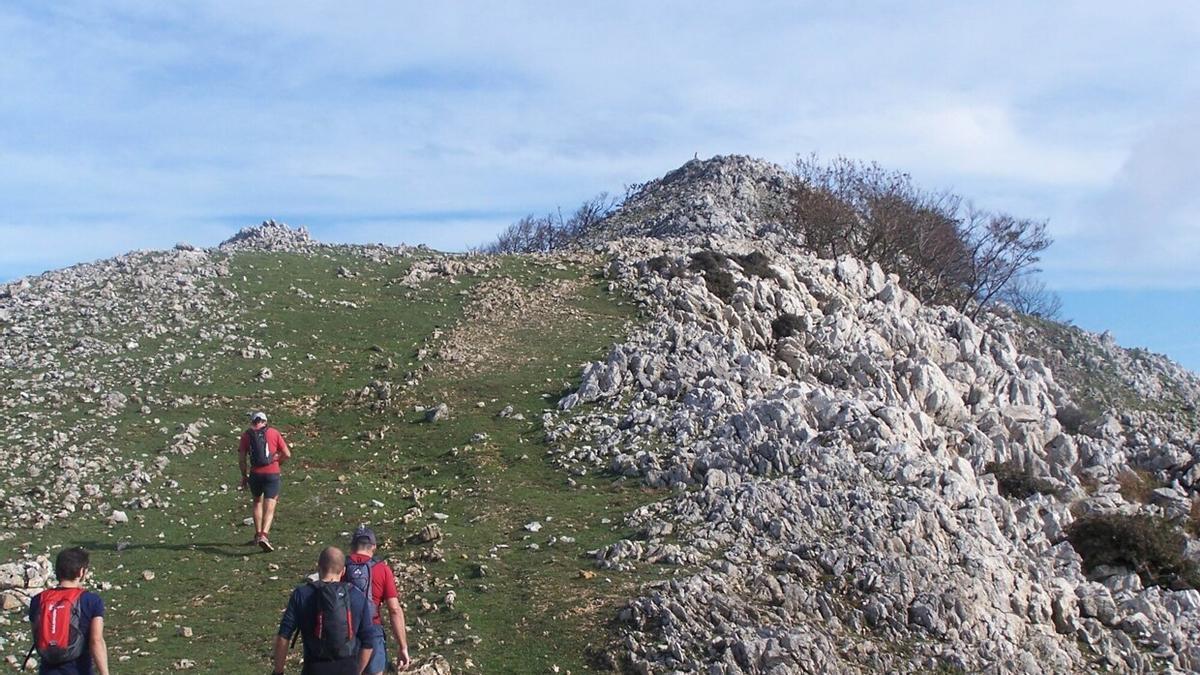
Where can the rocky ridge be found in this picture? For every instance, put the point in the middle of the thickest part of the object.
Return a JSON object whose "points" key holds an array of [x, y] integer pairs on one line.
{"points": [[832, 509], [832, 483]]}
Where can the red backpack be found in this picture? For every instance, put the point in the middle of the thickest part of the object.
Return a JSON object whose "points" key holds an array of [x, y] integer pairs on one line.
{"points": [[57, 628]]}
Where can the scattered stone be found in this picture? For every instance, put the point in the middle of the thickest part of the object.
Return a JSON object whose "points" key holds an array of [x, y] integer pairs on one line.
{"points": [[427, 534]]}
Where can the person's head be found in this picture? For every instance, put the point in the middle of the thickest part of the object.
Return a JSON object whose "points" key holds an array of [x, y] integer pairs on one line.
{"points": [[331, 562], [363, 540], [258, 419], [71, 564]]}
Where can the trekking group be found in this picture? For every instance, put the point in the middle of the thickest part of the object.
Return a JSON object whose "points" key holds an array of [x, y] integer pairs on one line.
{"points": [[337, 614]]}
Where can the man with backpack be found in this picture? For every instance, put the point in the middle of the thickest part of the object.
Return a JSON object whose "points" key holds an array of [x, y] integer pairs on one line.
{"points": [[375, 579], [333, 618], [68, 621], [260, 453]]}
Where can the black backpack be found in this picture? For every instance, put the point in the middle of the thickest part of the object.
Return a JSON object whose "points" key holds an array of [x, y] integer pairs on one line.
{"points": [[260, 452], [333, 625]]}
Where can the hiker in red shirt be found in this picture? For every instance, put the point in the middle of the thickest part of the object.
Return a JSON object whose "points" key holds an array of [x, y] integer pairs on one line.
{"points": [[375, 578], [259, 455]]}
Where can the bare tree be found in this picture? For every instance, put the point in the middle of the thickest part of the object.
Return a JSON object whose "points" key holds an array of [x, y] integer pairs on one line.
{"points": [[945, 252], [1004, 249], [1029, 295], [553, 231]]}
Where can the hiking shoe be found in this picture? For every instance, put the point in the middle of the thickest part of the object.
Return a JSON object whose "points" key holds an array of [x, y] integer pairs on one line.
{"points": [[265, 544], [254, 542]]}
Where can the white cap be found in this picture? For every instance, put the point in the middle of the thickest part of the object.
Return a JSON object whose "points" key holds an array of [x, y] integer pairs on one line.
{"points": [[254, 417]]}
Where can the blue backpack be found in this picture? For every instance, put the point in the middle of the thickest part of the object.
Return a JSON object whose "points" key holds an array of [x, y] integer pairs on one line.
{"points": [[359, 574]]}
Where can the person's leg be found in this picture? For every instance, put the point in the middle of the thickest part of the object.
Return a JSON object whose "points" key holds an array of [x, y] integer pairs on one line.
{"points": [[268, 516], [258, 515], [271, 486]]}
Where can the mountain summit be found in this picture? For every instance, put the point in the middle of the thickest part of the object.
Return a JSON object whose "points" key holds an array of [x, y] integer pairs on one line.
{"points": [[769, 462]]}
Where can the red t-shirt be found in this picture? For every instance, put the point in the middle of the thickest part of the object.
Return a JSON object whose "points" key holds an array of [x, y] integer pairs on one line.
{"points": [[383, 582], [275, 445]]}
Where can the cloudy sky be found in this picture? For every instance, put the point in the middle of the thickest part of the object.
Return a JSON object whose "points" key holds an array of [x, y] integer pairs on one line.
{"points": [[136, 124]]}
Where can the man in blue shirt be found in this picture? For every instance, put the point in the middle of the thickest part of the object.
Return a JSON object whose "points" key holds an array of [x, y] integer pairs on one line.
{"points": [[319, 628], [72, 567]]}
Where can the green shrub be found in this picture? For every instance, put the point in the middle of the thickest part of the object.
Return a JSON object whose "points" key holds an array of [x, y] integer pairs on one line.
{"points": [[660, 264], [1137, 485], [1014, 481], [1072, 418], [787, 325], [1148, 545], [755, 264], [718, 279]]}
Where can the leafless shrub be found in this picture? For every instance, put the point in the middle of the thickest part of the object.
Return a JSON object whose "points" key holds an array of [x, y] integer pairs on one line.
{"points": [[945, 251], [553, 231], [1028, 295]]}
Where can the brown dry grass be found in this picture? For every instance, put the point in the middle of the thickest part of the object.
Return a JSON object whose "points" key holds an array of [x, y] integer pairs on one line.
{"points": [[1137, 485]]}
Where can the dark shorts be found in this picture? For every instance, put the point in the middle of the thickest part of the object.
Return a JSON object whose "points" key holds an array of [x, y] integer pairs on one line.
{"points": [[265, 485], [343, 667], [378, 662]]}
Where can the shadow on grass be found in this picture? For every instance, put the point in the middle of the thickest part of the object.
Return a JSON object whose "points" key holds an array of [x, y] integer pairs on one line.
{"points": [[216, 548]]}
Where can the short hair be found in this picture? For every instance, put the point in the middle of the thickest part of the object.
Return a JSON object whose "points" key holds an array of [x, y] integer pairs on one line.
{"points": [[331, 560], [70, 563]]}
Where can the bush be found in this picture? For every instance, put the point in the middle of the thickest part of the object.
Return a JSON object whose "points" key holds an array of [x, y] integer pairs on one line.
{"points": [[718, 279], [787, 325], [660, 264], [1148, 545], [755, 264], [944, 251], [553, 232], [1017, 483], [1137, 485], [1029, 295], [1072, 418]]}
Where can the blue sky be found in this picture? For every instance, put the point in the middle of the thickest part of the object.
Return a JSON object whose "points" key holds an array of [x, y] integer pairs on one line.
{"points": [[130, 125]]}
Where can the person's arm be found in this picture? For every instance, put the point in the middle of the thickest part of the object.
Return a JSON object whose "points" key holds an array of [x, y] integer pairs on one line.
{"points": [[243, 448], [281, 651], [98, 646], [399, 631], [287, 628], [285, 453]]}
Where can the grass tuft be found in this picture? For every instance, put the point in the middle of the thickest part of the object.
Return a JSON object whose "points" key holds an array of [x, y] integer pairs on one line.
{"points": [[1146, 544], [1014, 481]]}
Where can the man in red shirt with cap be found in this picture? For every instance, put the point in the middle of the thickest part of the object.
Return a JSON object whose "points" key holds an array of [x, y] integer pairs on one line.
{"points": [[261, 451], [375, 578]]}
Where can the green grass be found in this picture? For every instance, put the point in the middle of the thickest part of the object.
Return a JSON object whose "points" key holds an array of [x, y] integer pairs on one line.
{"points": [[532, 611], [1082, 369]]}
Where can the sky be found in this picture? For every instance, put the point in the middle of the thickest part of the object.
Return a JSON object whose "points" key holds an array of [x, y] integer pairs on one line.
{"points": [[133, 125]]}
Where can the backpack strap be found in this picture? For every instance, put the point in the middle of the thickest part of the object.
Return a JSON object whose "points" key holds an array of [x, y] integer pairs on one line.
{"points": [[296, 634]]}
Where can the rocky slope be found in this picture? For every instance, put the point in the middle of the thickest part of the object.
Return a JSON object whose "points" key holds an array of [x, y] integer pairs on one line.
{"points": [[834, 506], [836, 452]]}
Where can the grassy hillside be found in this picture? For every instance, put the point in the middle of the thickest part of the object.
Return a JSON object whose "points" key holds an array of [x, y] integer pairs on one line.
{"points": [[527, 609]]}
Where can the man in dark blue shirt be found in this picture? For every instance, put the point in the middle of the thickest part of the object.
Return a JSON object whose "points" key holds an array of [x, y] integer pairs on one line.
{"points": [[304, 614], [72, 567]]}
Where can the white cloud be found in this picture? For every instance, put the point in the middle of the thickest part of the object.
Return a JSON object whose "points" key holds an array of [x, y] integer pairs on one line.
{"points": [[153, 116]]}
